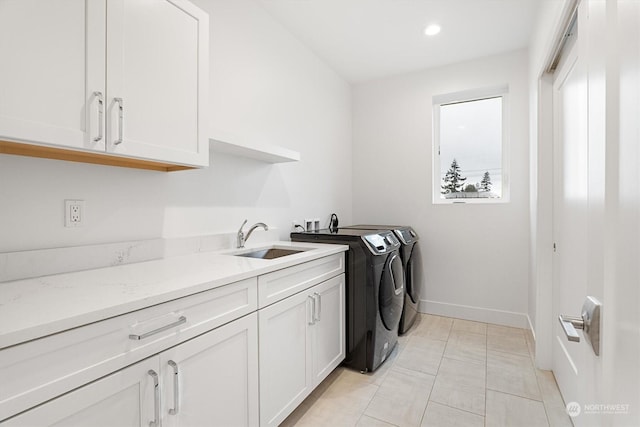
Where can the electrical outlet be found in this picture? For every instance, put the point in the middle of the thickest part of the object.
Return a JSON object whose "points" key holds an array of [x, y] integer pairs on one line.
{"points": [[73, 213], [308, 224]]}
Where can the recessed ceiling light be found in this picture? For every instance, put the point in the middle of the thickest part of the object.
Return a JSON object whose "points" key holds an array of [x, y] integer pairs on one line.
{"points": [[432, 30]]}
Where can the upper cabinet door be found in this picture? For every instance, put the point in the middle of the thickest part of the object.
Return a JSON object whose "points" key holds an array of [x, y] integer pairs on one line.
{"points": [[157, 76], [52, 63]]}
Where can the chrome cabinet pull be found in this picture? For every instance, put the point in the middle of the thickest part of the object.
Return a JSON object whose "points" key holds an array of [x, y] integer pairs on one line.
{"points": [[100, 98], [313, 310], [120, 121], [176, 389], [156, 399], [318, 298], [180, 321]]}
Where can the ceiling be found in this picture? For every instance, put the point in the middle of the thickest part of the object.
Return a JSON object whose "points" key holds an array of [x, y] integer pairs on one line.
{"points": [[367, 39]]}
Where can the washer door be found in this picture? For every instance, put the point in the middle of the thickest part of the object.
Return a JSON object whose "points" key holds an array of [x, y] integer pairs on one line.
{"points": [[412, 289], [391, 292]]}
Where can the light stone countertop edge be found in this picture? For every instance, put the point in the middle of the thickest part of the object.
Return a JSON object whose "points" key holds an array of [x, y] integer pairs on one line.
{"points": [[37, 307]]}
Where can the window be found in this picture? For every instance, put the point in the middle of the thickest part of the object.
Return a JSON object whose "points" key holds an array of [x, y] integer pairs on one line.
{"points": [[470, 147]]}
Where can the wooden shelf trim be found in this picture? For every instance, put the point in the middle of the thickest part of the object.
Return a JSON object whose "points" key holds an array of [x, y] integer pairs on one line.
{"points": [[32, 150]]}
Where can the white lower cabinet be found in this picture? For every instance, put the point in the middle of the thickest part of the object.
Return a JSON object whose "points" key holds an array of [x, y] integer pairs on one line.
{"points": [[213, 379], [213, 358], [328, 330], [124, 398], [301, 341], [209, 380]]}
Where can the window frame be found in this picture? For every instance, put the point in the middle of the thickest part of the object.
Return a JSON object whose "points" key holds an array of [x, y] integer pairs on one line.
{"points": [[468, 96]]}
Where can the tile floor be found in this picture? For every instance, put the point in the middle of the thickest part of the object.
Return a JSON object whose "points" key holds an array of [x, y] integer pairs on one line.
{"points": [[444, 372]]}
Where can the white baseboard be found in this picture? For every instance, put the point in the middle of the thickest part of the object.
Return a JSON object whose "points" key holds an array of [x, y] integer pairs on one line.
{"points": [[478, 314]]}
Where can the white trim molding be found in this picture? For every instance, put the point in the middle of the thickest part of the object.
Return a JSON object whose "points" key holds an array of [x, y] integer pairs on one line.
{"points": [[478, 314]]}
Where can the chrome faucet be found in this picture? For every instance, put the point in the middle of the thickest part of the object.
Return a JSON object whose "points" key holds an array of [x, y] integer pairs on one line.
{"points": [[242, 238]]}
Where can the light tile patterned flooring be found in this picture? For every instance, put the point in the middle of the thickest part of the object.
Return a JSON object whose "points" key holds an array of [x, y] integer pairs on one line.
{"points": [[444, 372]]}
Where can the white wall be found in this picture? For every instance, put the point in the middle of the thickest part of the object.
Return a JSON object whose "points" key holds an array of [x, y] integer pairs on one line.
{"points": [[475, 258], [264, 85]]}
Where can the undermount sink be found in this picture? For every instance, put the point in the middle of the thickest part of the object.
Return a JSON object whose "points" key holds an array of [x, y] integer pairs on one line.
{"points": [[270, 253]]}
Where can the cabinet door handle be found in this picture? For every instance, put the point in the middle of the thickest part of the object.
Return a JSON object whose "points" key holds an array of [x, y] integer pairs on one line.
{"points": [[180, 321], [313, 310], [100, 98], [176, 389], [156, 399], [318, 307], [120, 121]]}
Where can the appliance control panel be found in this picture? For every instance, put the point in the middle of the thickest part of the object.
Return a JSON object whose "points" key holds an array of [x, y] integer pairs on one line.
{"points": [[406, 235], [381, 243]]}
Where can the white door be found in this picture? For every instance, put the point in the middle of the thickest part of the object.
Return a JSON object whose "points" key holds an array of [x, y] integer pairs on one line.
{"points": [[621, 352], [328, 331], [213, 379], [285, 357], [126, 398], [52, 63], [157, 72], [596, 212], [571, 214]]}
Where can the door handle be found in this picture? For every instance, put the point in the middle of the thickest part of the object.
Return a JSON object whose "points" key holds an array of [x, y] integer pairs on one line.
{"points": [[589, 322], [313, 310], [100, 99], [176, 389], [120, 103], [156, 399], [317, 305], [569, 325]]}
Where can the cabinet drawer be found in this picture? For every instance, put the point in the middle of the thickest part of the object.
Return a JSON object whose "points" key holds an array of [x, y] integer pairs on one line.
{"points": [[273, 287], [41, 369]]}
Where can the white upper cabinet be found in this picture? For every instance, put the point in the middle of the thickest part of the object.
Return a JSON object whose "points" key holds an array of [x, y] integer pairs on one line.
{"points": [[157, 72], [52, 60], [128, 78]]}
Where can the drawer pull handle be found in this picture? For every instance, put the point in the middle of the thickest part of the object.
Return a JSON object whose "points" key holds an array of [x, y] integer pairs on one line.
{"points": [[176, 389], [180, 321], [156, 399]]}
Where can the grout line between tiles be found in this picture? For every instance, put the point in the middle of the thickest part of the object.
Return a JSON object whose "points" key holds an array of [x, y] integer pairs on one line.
{"points": [[486, 373], [378, 419], [457, 409], [412, 338], [510, 353], [433, 384], [516, 395], [544, 405]]}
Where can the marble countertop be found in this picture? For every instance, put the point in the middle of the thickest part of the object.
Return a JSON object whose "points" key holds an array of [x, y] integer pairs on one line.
{"points": [[33, 308]]}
